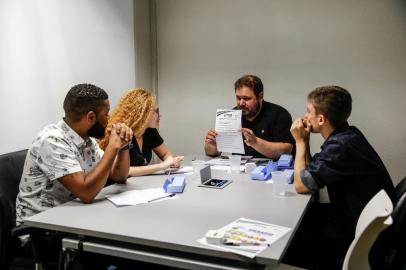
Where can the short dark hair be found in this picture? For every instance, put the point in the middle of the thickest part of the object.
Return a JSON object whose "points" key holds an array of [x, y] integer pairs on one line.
{"points": [[334, 102], [251, 81], [83, 98]]}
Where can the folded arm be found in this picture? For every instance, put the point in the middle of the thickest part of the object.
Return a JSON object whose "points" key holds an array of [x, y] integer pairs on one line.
{"points": [[86, 187], [113, 164], [301, 134]]}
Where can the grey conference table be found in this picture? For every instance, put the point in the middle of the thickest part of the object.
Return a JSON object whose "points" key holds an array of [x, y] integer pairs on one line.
{"points": [[166, 232]]}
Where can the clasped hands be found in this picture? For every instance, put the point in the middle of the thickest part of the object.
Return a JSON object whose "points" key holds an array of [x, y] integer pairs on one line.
{"points": [[120, 135], [300, 129]]}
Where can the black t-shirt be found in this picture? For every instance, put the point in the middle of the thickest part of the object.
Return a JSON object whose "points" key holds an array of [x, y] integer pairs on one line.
{"points": [[151, 139], [352, 172], [271, 124]]}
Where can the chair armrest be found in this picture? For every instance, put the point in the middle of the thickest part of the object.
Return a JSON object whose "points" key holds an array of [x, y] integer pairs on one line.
{"points": [[22, 230]]}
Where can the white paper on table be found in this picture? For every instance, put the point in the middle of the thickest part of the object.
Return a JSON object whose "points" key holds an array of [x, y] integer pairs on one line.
{"points": [[225, 168], [184, 169], [229, 138], [221, 161], [134, 197], [250, 229]]}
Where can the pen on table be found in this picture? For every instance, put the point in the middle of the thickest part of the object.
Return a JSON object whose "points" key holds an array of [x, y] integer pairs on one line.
{"points": [[245, 244], [169, 195]]}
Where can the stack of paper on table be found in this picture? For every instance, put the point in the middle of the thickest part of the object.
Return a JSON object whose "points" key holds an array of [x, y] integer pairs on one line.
{"points": [[225, 168], [221, 161], [248, 237], [184, 169]]}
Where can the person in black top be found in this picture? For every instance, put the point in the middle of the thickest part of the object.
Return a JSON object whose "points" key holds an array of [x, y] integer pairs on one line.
{"points": [[265, 126], [347, 165], [138, 109]]}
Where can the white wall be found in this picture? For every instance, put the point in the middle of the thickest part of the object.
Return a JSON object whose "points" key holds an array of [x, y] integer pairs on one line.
{"points": [[48, 46], [294, 46], [145, 44]]}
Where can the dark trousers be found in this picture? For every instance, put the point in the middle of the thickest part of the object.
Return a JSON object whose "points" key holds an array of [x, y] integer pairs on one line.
{"points": [[320, 242], [49, 243]]}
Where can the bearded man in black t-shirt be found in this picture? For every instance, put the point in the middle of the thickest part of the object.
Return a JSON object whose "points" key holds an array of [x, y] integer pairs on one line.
{"points": [[265, 126]]}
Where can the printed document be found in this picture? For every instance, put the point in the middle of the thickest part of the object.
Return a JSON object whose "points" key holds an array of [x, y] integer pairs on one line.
{"points": [[229, 138], [248, 237]]}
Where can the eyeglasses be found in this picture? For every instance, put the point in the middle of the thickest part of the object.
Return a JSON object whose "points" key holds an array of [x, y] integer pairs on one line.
{"points": [[157, 110]]}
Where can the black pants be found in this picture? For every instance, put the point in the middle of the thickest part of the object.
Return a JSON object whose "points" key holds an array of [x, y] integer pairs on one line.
{"points": [[320, 242], [50, 244], [45, 247]]}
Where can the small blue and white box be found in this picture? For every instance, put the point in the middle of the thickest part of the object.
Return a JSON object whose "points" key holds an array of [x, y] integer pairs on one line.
{"points": [[175, 184], [285, 162], [263, 173]]}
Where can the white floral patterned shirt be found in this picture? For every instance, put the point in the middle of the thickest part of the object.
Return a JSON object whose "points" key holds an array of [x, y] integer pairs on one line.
{"points": [[57, 151]]}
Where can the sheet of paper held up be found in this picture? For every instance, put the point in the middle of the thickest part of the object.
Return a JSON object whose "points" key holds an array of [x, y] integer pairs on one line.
{"points": [[229, 139]]}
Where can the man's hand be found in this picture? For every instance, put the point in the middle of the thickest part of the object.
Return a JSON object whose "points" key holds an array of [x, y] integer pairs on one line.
{"points": [[300, 130], [120, 135], [250, 138], [211, 137], [210, 145]]}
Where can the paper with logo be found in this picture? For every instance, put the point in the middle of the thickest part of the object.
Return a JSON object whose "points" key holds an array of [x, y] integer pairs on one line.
{"points": [[229, 138], [248, 237]]}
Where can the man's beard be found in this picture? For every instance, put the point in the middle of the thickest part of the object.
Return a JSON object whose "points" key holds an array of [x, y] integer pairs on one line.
{"points": [[254, 112], [97, 131]]}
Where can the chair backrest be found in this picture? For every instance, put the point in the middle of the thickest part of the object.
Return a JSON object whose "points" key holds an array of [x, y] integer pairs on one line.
{"points": [[11, 169], [400, 189], [373, 219], [389, 250], [397, 235]]}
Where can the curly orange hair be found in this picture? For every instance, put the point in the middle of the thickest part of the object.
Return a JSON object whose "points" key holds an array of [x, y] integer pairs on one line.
{"points": [[134, 110]]}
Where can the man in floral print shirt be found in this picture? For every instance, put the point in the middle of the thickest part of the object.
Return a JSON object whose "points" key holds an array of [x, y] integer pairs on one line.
{"points": [[65, 162]]}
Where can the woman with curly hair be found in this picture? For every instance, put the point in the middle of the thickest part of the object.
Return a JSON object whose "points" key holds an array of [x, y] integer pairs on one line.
{"points": [[138, 110]]}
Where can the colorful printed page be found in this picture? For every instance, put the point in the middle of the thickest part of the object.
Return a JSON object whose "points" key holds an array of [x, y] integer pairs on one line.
{"points": [[248, 237]]}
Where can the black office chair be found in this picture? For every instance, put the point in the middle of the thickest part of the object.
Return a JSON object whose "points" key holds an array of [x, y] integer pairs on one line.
{"points": [[400, 189], [389, 251], [12, 254], [11, 168]]}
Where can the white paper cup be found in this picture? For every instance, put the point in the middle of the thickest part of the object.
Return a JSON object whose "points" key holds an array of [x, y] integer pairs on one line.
{"points": [[279, 183], [235, 163], [197, 166], [249, 167]]}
